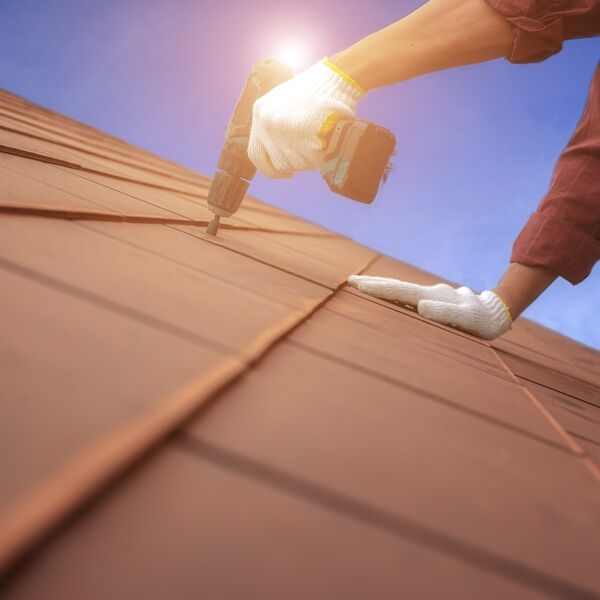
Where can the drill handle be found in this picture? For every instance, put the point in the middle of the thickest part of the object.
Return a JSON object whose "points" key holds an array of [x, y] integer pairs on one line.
{"points": [[264, 76]]}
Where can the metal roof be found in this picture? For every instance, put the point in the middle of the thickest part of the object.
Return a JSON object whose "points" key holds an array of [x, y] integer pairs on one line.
{"points": [[188, 416]]}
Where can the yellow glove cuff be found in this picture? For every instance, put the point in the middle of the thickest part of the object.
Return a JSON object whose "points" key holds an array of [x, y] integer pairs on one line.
{"points": [[505, 308], [344, 76]]}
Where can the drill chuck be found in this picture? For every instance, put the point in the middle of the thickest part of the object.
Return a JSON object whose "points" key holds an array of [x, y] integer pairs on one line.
{"points": [[226, 193]]}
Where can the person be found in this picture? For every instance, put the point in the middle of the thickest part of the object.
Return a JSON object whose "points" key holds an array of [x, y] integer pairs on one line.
{"points": [[561, 239]]}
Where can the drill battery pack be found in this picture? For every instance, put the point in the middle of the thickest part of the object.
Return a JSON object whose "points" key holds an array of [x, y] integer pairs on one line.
{"points": [[357, 158]]}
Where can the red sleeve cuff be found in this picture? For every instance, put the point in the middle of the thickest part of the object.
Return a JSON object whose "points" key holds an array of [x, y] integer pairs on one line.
{"points": [[539, 31], [547, 241]]}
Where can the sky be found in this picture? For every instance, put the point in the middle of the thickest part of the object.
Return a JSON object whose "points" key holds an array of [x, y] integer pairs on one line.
{"points": [[476, 145]]}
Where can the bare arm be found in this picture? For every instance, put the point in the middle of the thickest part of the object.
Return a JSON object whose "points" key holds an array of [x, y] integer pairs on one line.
{"points": [[521, 285], [439, 35]]}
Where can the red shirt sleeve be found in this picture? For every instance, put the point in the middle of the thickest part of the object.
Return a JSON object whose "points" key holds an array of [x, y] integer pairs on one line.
{"points": [[541, 26], [564, 233]]}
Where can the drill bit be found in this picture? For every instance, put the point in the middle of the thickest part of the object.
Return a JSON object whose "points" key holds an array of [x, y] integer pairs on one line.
{"points": [[213, 226]]}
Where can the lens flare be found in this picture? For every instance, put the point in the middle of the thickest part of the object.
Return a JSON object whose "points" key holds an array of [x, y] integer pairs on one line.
{"points": [[292, 54]]}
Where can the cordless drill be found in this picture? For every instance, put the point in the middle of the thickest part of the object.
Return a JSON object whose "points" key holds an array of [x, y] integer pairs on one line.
{"points": [[356, 157]]}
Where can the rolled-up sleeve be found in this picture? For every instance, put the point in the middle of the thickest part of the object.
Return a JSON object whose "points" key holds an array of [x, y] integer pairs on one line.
{"points": [[564, 233], [541, 26]]}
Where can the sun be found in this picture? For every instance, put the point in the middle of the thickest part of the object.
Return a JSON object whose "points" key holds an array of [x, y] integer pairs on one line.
{"points": [[293, 54]]}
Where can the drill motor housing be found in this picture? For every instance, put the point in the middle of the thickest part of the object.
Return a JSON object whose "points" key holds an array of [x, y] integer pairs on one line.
{"points": [[357, 153]]}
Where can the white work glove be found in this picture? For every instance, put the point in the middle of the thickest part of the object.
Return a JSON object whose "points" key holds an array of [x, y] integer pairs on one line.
{"points": [[484, 315], [287, 121]]}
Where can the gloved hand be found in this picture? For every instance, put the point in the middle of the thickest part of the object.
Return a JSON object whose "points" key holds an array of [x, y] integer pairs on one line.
{"points": [[484, 315], [287, 121]]}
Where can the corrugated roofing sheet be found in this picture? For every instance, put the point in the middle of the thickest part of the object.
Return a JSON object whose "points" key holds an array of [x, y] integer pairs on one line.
{"points": [[188, 416]]}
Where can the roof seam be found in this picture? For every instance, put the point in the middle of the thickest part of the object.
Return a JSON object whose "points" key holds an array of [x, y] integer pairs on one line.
{"points": [[582, 376], [93, 182], [409, 313], [433, 397], [583, 437], [24, 107], [32, 520], [578, 451], [382, 519], [38, 514], [549, 387], [98, 154], [228, 282], [437, 350], [64, 163], [550, 356], [84, 215], [183, 196], [120, 309], [254, 258], [80, 138]]}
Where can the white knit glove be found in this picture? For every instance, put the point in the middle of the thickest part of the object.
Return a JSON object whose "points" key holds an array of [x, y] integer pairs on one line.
{"points": [[484, 315], [286, 121]]}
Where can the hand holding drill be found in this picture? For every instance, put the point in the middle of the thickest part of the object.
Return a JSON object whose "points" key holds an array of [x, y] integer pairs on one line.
{"points": [[290, 122]]}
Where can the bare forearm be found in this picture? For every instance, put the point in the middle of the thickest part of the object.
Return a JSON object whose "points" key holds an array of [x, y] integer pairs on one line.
{"points": [[439, 35], [521, 285]]}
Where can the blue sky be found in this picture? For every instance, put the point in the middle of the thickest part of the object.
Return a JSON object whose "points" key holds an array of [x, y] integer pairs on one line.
{"points": [[476, 145]]}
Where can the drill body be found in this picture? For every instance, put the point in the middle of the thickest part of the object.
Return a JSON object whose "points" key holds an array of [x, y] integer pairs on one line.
{"points": [[357, 153]]}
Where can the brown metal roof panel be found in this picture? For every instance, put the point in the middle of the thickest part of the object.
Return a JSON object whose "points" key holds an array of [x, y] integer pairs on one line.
{"points": [[412, 364], [71, 370], [314, 262], [99, 192], [29, 182], [551, 357], [581, 420], [557, 363], [185, 300], [119, 152], [232, 314], [20, 104], [251, 203], [410, 328], [559, 378], [378, 381], [31, 121], [27, 144], [169, 200], [385, 266], [440, 337], [139, 198], [129, 197], [527, 340], [269, 220], [243, 272], [509, 495], [44, 120], [188, 526], [531, 337], [21, 190], [145, 179]]}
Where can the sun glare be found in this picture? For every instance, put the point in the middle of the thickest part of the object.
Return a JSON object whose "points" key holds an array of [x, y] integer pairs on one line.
{"points": [[293, 55]]}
